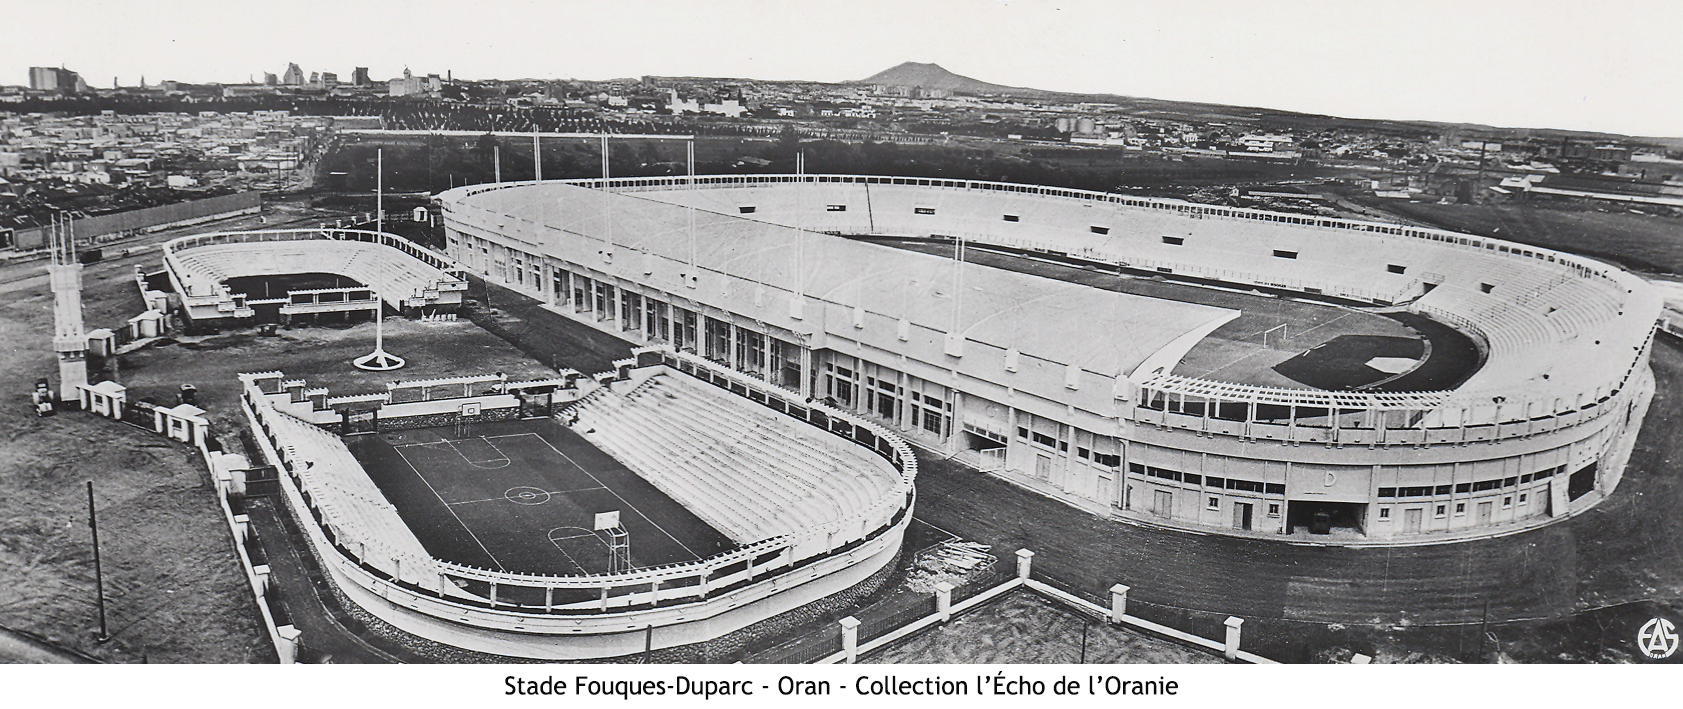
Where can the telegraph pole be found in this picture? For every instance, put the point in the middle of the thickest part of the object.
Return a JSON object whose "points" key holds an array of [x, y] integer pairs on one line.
{"points": [[99, 578]]}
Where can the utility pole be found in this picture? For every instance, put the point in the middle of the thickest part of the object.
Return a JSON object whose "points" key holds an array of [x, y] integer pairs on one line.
{"points": [[99, 577]]}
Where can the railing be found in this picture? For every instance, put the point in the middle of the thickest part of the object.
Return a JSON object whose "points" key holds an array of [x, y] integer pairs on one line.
{"points": [[1584, 267]]}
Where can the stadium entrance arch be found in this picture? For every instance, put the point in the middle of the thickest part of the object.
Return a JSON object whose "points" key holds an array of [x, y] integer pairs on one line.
{"points": [[1317, 517]]}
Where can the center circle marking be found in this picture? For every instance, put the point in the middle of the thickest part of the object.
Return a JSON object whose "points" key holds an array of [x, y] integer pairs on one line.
{"points": [[526, 495]]}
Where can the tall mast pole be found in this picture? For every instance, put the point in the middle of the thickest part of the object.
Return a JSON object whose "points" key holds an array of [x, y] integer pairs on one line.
{"points": [[380, 190], [99, 576]]}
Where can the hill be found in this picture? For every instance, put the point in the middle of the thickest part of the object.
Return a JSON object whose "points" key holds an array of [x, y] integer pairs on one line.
{"points": [[932, 76]]}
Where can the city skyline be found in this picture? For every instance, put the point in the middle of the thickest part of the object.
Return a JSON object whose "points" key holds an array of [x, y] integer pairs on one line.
{"points": [[1505, 64]]}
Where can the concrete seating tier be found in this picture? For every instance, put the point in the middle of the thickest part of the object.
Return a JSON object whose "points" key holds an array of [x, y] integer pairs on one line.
{"points": [[713, 452], [352, 505]]}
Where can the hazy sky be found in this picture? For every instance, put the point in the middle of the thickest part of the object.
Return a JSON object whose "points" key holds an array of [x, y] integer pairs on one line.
{"points": [[1604, 65]]}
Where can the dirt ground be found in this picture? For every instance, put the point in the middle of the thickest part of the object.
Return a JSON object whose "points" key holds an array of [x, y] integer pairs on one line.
{"points": [[1637, 241], [174, 592]]}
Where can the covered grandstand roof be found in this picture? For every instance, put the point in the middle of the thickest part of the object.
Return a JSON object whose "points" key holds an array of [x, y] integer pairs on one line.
{"points": [[1102, 332]]}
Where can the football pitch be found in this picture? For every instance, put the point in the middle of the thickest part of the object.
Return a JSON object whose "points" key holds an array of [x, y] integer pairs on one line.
{"points": [[522, 496]]}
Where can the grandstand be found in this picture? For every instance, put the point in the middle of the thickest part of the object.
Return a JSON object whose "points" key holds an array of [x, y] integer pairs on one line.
{"points": [[1137, 381], [383, 268]]}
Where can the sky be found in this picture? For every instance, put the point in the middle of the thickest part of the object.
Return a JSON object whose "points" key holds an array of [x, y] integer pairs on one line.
{"points": [[1609, 65]]}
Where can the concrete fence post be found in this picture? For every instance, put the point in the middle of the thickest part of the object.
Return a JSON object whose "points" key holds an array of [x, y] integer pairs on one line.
{"points": [[1231, 650], [1118, 602], [288, 648], [1025, 560], [944, 600], [260, 572], [850, 638]]}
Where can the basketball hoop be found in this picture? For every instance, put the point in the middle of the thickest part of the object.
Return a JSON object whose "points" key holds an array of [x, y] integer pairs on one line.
{"points": [[619, 541]]}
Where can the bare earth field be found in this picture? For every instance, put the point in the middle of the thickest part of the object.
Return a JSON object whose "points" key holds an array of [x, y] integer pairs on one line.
{"points": [[174, 591], [1641, 242]]}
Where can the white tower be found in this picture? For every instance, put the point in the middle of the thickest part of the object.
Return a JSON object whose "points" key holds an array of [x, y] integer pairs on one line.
{"points": [[70, 341]]}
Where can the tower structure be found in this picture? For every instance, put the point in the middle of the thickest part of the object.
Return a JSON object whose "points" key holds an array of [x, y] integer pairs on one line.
{"points": [[70, 341]]}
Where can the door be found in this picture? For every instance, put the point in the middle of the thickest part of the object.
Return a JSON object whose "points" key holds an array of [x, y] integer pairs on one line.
{"points": [[1242, 515], [1484, 512], [1411, 520], [1042, 467], [1163, 503]]}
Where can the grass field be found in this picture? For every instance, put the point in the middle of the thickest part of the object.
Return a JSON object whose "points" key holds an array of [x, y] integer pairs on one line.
{"points": [[521, 496]]}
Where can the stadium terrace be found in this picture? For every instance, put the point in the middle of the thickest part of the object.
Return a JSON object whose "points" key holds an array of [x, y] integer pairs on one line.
{"points": [[1160, 362]]}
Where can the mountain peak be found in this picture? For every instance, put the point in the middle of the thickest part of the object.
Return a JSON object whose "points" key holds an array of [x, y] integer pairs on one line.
{"points": [[932, 76]]}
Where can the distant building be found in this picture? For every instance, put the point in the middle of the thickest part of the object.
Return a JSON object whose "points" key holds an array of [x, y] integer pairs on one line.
{"points": [[359, 77], [47, 78], [269, 78], [409, 85], [293, 76], [329, 79]]}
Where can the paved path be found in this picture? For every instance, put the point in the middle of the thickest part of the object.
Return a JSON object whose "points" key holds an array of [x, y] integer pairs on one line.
{"points": [[22, 648]]}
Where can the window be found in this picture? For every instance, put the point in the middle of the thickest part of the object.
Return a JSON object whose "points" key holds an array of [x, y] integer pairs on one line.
{"points": [[1273, 509], [1396, 268], [1108, 459], [1022, 433], [1486, 485], [1387, 492], [1285, 254], [1011, 218], [1174, 240], [745, 210], [1100, 229], [1438, 512], [1464, 487], [1138, 468], [835, 207], [1192, 478], [1275, 489], [1460, 508], [1525, 478], [1441, 490], [1214, 503], [1044, 440], [1245, 485], [1215, 482], [1507, 501], [1083, 452], [1384, 512], [1522, 497], [1486, 287], [1510, 482], [924, 210]]}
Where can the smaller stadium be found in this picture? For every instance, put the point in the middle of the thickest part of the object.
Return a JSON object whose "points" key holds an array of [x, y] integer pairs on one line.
{"points": [[665, 504]]}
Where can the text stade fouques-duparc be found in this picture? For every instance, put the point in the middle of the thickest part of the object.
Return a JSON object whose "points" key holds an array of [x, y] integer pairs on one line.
{"points": [[998, 684]]}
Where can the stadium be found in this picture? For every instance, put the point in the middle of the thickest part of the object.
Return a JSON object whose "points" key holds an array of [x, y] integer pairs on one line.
{"points": [[1156, 362], [1160, 362]]}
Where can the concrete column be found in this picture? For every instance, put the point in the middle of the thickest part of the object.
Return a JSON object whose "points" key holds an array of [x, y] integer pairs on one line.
{"points": [[944, 600], [287, 648], [850, 638], [1118, 602], [1231, 649], [1025, 559]]}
